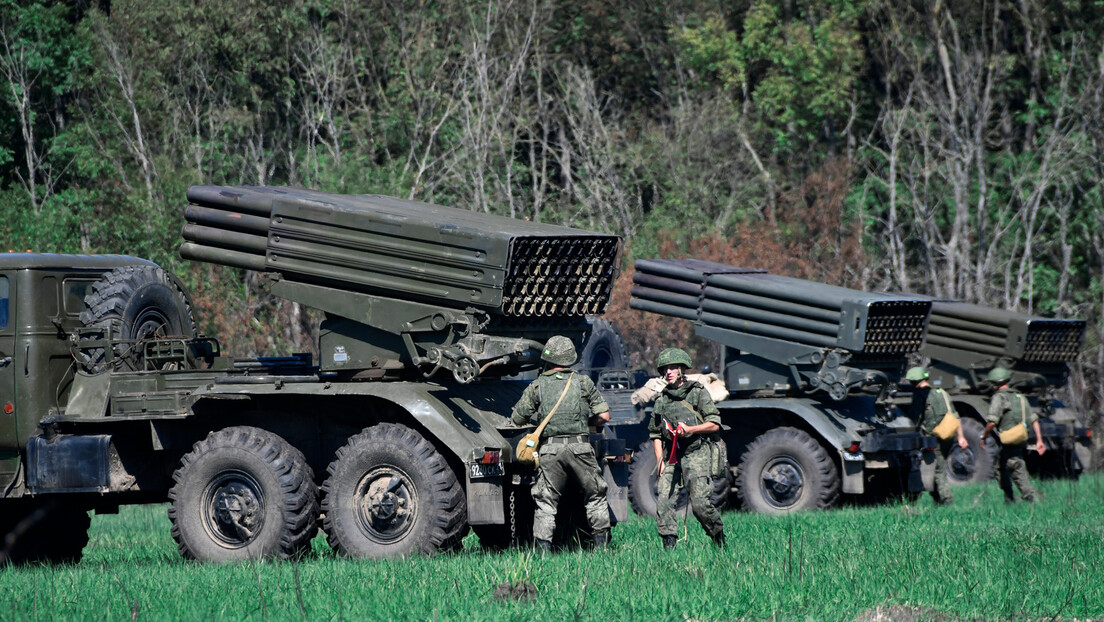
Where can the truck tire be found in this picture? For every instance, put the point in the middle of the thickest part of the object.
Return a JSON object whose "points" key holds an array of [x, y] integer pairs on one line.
{"points": [[140, 302], [390, 493], [604, 349], [786, 470], [243, 493], [51, 531], [975, 463]]}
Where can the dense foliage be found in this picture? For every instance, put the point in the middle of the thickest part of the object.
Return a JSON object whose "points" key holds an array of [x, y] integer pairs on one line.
{"points": [[943, 147]]}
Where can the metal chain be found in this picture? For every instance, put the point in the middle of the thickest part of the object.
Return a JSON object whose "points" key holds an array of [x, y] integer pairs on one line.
{"points": [[513, 517]]}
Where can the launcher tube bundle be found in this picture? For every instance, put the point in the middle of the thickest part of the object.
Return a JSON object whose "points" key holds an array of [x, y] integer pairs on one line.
{"points": [[971, 339], [404, 249]]}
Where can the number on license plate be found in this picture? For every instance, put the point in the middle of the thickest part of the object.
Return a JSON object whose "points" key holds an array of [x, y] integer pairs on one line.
{"points": [[477, 470]]}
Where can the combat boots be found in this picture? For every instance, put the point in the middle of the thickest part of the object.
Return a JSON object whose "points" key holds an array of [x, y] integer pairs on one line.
{"points": [[544, 546], [601, 540], [669, 542], [719, 540]]}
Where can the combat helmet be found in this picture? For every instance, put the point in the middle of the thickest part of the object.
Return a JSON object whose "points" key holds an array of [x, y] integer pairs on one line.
{"points": [[916, 374], [999, 375], [559, 350], [673, 356]]}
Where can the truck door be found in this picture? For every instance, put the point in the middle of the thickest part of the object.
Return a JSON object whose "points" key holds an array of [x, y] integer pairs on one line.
{"points": [[9, 451]]}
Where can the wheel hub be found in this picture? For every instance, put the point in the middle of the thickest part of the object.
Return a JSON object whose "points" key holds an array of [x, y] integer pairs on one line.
{"points": [[235, 509], [961, 463], [782, 482], [386, 505]]}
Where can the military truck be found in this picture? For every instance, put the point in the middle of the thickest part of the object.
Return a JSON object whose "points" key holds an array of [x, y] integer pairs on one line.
{"points": [[964, 341], [809, 370], [396, 441]]}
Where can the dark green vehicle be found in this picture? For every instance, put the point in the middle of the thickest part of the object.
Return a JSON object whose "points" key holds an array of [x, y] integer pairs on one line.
{"points": [[809, 370], [964, 341], [397, 441]]}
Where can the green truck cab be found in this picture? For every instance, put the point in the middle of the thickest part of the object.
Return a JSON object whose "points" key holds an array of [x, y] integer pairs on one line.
{"points": [[397, 441]]}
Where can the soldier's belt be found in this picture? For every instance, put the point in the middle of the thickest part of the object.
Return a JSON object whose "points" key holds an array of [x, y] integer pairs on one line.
{"points": [[567, 440]]}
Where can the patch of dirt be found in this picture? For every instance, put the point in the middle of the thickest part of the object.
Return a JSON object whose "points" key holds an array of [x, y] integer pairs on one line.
{"points": [[901, 613], [520, 591]]}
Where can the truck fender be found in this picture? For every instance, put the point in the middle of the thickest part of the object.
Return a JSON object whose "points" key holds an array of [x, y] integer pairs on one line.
{"points": [[829, 431]]}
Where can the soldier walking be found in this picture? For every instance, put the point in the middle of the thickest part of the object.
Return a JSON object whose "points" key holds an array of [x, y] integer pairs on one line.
{"points": [[930, 405], [1007, 410], [565, 453], [683, 428]]}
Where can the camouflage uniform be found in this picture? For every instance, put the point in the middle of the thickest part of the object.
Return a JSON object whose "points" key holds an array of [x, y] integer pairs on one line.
{"points": [[694, 469], [1006, 409], [935, 404], [564, 449]]}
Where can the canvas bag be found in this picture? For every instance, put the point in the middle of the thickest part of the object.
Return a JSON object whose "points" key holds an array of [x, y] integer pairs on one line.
{"points": [[948, 427], [1017, 434], [526, 452]]}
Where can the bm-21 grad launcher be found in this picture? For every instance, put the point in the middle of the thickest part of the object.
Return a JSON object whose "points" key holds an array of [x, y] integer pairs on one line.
{"points": [[399, 440], [964, 341], [808, 367]]}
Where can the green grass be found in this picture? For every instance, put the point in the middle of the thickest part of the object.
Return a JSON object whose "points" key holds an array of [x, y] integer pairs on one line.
{"points": [[978, 559]]}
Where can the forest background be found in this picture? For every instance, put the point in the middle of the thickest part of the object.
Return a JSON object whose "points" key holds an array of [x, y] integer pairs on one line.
{"points": [[943, 147]]}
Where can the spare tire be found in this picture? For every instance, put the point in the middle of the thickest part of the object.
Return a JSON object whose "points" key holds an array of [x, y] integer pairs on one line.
{"points": [[138, 302], [604, 349]]}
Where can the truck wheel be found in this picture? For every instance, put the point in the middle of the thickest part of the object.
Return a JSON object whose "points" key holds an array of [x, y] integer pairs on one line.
{"points": [[390, 493], [604, 348], [141, 302], [36, 531], [786, 470], [243, 493], [973, 464]]}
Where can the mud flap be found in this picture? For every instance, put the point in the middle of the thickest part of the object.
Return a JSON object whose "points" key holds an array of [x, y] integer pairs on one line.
{"points": [[485, 505], [616, 475], [852, 483]]}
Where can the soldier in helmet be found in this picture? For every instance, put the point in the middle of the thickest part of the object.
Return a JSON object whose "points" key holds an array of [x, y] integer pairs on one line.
{"points": [[684, 424], [565, 452], [1007, 409], [929, 406]]}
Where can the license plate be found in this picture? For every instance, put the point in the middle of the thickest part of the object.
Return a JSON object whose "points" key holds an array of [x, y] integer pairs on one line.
{"points": [[477, 470]]}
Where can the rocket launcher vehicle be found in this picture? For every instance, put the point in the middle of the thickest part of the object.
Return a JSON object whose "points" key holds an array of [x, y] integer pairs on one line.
{"points": [[409, 287], [783, 334]]}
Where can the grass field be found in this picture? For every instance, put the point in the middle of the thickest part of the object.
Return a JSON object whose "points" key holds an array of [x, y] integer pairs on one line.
{"points": [[977, 560]]}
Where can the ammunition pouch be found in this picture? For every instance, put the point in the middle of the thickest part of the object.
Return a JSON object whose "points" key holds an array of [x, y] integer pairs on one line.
{"points": [[947, 428], [1015, 435], [718, 453], [526, 452]]}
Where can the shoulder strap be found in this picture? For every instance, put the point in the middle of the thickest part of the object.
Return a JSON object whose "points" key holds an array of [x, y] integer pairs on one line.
{"points": [[946, 400], [1023, 409], [693, 410], [548, 417]]}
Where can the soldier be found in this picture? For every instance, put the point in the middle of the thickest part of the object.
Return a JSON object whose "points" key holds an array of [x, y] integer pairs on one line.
{"points": [[929, 406], [573, 402], [683, 428], [1008, 409]]}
